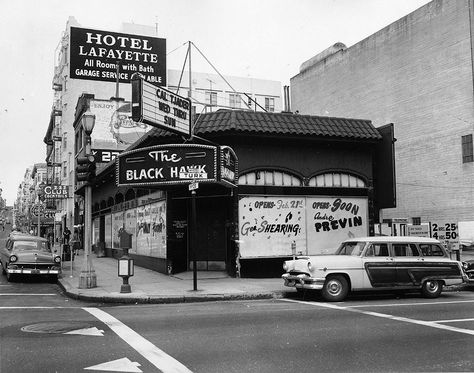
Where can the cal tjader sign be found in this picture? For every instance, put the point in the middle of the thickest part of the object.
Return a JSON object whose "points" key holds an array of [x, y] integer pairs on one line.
{"points": [[160, 107], [167, 165]]}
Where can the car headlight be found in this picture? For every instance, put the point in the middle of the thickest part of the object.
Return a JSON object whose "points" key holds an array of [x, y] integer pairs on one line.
{"points": [[285, 267], [57, 259], [310, 266], [13, 258]]}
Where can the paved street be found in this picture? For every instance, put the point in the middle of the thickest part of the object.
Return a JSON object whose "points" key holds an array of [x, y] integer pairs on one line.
{"points": [[366, 333]]}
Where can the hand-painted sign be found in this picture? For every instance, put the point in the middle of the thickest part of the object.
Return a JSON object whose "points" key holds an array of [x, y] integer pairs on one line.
{"points": [[94, 55], [331, 220], [56, 191], [317, 225], [159, 107], [167, 165], [269, 225]]}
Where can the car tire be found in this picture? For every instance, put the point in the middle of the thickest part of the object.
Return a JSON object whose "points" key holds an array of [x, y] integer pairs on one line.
{"points": [[10, 277], [431, 288], [335, 288], [3, 269]]}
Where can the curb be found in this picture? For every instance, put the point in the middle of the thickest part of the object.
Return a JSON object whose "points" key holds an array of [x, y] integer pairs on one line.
{"points": [[172, 299], [195, 298]]}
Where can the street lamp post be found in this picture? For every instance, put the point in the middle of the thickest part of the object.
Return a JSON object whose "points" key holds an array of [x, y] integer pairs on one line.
{"points": [[40, 193], [87, 278]]}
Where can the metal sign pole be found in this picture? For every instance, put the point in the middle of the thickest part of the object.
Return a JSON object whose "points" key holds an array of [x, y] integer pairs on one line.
{"points": [[39, 222], [193, 237]]}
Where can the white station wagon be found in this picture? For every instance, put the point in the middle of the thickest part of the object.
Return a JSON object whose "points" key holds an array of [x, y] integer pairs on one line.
{"points": [[376, 263]]}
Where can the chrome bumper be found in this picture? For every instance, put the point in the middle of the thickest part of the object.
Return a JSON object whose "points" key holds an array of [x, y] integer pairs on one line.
{"points": [[33, 271], [303, 281]]}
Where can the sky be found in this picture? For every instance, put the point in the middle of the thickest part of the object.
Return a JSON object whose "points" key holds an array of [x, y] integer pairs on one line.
{"points": [[264, 39]]}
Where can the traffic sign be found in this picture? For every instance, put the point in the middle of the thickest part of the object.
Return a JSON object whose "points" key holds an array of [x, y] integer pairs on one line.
{"points": [[194, 185], [37, 210]]}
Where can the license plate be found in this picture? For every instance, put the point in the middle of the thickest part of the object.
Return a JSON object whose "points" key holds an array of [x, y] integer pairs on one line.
{"points": [[35, 271]]}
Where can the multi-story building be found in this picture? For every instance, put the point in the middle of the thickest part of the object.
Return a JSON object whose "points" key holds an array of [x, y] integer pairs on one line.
{"points": [[208, 92], [418, 74], [27, 194]]}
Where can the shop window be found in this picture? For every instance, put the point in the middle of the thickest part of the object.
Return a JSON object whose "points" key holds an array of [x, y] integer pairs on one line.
{"points": [[467, 149], [269, 177], [269, 104], [336, 180], [234, 100]]}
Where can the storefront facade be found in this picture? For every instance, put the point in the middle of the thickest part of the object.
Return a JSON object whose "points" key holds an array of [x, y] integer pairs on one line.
{"points": [[303, 184]]}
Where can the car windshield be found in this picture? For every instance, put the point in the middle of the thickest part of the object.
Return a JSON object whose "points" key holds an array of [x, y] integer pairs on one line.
{"points": [[31, 246], [351, 248]]}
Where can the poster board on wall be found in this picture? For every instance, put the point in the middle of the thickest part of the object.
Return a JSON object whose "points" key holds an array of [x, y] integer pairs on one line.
{"points": [[268, 225], [143, 230], [130, 223], [331, 220], [117, 224], [158, 229], [108, 230]]}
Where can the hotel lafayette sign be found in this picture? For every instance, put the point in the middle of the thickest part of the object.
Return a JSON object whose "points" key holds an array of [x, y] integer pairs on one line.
{"points": [[167, 165], [159, 107], [94, 55]]}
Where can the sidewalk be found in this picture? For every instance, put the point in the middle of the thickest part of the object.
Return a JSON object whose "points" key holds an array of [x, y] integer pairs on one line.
{"points": [[152, 287]]}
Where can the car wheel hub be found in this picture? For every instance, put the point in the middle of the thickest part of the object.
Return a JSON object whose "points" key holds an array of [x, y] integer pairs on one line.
{"points": [[334, 287], [432, 286]]}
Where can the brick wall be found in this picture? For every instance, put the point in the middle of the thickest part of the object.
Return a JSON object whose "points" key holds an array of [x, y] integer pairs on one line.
{"points": [[417, 74]]}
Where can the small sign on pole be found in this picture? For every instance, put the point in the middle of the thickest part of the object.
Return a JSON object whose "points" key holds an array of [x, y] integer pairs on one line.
{"points": [[194, 185]]}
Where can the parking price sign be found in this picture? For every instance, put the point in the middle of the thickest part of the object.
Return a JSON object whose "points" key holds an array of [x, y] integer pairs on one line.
{"points": [[447, 233]]}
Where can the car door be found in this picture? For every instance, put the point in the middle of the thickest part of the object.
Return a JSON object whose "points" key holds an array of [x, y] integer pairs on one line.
{"points": [[407, 260], [379, 265]]}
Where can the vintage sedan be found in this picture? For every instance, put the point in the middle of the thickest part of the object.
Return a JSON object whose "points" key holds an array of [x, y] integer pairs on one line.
{"points": [[376, 263], [24, 254]]}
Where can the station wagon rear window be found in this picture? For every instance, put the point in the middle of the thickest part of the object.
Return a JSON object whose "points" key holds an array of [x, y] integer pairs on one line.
{"points": [[431, 250]]}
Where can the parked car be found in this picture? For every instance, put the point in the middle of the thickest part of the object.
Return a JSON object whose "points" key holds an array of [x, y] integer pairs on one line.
{"points": [[376, 263], [25, 254]]}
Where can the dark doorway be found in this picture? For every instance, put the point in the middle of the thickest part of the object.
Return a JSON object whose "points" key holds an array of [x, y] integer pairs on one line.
{"points": [[211, 234]]}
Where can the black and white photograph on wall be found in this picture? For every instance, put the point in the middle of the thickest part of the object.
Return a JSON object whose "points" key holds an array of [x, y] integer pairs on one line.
{"points": [[245, 186]]}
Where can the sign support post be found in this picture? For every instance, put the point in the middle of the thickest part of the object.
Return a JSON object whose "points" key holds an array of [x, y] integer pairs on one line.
{"points": [[193, 237], [193, 187], [39, 224]]}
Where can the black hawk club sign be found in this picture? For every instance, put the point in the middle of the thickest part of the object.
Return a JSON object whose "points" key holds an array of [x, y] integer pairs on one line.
{"points": [[175, 164]]}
